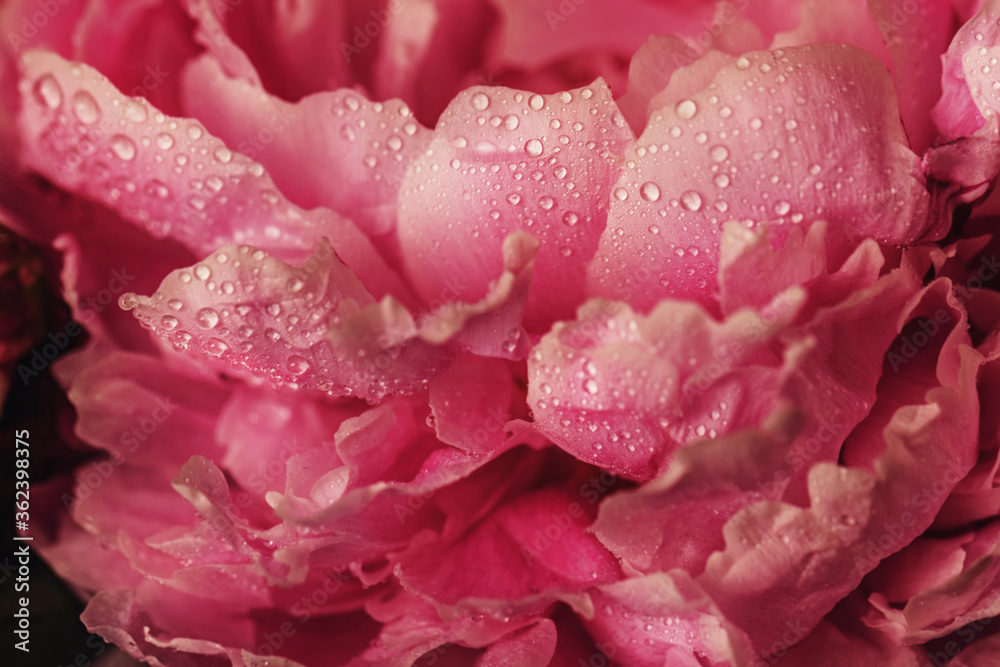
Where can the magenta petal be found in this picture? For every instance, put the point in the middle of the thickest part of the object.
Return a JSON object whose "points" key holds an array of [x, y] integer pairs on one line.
{"points": [[514, 558]]}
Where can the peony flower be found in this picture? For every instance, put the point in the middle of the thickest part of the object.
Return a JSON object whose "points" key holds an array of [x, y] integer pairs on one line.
{"points": [[511, 333]]}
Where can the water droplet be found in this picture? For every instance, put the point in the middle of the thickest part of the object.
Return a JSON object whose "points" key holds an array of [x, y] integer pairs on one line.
{"points": [[123, 147], [202, 272], [480, 101], [168, 322], [47, 91], [207, 318], [128, 301], [650, 191], [570, 218], [782, 207], [394, 143], [815, 169], [511, 122], [216, 346], [194, 132], [536, 102], [691, 200], [755, 123], [686, 109], [297, 365], [223, 154], [718, 153], [721, 180], [546, 202], [621, 194], [164, 141], [742, 63], [514, 198], [85, 107], [533, 148], [590, 386]]}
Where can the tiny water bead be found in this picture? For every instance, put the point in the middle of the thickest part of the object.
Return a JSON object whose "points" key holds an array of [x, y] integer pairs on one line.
{"points": [[650, 191], [48, 92], [480, 101], [207, 318], [85, 108], [691, 200], [123, 147], [533, 148], [686, 109]]}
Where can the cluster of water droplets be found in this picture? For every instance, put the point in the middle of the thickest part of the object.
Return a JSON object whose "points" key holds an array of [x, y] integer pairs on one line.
{"points": [[167, 174], [228, 307], [532, 162]]}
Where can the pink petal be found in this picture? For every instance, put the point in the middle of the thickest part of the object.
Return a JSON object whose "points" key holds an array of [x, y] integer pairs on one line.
{"points": [[138, 162], [671, 620], [537, 163], [532, 549], [772, 171], [794, 562], [339, 136], [916, 35], [471, 403]]}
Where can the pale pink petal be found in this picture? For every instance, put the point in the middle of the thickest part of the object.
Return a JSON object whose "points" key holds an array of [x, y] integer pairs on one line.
{"points": [[129, 156], [664, 619], [751, 163], [501, 161]]}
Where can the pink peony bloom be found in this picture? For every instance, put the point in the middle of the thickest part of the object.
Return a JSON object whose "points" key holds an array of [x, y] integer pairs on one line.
{"points": [[510, 333]]}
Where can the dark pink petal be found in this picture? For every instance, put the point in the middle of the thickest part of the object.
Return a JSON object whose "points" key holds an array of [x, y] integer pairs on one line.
{"points": [[535, 34], [916, 35], [785, 562], [982, 653], [144, 413], [761, 146], [502, 161], [664, 619], [526, 554], [532, 647], [960, 580], [472, 402]]}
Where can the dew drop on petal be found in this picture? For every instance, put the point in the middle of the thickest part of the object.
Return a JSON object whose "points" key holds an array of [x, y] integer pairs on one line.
{"points": [[533, 148], [123, 147], [621, 194], [536, 102], [47, 91], [782, 207], [128, 301], [650, 191], [164, 141], [297, 365], [202, 272], [207, 318], [686, 109], [691, 200], [480, 101], [85, 107]]}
